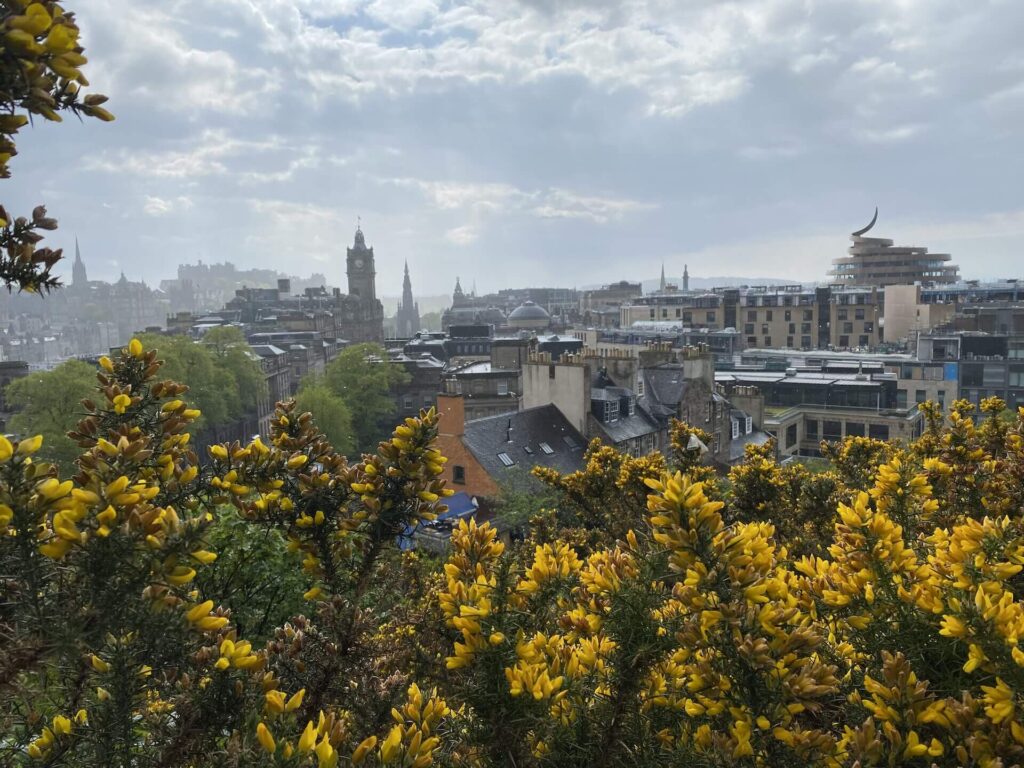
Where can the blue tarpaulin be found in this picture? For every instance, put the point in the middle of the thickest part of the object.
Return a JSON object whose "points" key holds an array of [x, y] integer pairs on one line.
{"points": [[460, 506]]}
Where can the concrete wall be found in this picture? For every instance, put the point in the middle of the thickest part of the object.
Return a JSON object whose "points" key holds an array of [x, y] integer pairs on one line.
{"points": [[566, 385]]}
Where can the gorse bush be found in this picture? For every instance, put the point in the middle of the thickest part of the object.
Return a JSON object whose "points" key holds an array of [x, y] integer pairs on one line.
{"points": [[653, 618]]}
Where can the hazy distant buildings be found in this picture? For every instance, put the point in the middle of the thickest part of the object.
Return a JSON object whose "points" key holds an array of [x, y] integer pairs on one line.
{"points": [[876, 261]]}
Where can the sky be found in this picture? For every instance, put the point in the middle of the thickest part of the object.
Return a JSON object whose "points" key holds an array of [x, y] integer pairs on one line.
{"points": [[519, 143]]}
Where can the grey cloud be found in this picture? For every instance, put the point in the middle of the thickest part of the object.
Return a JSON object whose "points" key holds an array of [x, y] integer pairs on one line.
{"points": [[537, 139]]}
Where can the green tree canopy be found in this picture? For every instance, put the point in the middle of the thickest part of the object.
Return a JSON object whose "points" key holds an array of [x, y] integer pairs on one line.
{"points": [[364, 380], [49, 404], [235, 356], [332, 415]]}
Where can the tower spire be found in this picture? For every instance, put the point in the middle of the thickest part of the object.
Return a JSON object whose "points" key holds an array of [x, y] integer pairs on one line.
{"points": [[686, 277], [661, 285]]}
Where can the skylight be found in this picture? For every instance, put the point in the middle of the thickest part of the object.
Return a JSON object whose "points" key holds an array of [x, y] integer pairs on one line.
{"points": [[506, 459], [546, 448]]}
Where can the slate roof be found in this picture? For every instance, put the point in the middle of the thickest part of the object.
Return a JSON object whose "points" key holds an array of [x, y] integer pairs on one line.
{"points": [[486, 438], [664, 388], [627, 427]]}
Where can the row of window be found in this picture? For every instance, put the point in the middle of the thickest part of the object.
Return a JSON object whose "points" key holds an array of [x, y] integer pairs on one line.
{"points": [[805, 342], [808, 315], [832, 430], [686, 317]]}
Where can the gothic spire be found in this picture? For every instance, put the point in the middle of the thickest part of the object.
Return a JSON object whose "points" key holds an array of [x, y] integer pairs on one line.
{"points": [[661, 285]]}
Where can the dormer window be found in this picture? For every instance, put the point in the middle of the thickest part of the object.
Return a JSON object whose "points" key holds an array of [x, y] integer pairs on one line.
{"points": [[640, 386], [611, 410], [631, 405], [749, 425], [735, 428]]}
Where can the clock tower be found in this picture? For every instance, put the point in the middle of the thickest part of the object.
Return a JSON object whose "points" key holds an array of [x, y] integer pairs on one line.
{"points": [[361, 271]]}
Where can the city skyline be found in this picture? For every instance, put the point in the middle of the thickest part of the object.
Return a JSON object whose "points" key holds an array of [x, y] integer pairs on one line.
{"points": [[520, 142]]}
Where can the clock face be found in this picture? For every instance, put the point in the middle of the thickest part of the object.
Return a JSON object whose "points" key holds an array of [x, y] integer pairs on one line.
{"points": [[359, 263]]}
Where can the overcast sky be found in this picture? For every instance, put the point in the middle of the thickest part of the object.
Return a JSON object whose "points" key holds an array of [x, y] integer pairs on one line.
{"points": [[556, 142]]}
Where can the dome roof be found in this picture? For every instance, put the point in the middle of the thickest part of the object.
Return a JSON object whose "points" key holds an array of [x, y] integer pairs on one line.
{"points": [[529, 311]]}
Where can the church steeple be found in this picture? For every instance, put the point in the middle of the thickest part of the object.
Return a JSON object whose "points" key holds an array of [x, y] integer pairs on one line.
{"points": [[79, 278], [686, 277], [661, 285], [407, 320]]}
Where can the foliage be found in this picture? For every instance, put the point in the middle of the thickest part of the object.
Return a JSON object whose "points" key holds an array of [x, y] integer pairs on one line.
{"points": [[40, 76], [866, 616], [363, 379], [223, 381], [333, 417], [49, 404], [234, 355]]}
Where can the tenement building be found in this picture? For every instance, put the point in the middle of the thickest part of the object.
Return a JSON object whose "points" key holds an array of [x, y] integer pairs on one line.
{"points": [[876, 261]]}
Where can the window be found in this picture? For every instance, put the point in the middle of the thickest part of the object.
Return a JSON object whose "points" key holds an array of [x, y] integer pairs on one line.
{"points": [[687, 317], [805, 342], [901, 398], [631, 407], [808, 315], [789, 315], [858, 314], [407, 403], [749, 425], [528, 450], [854, 429], [869, 327], [864, 341], [678, 312], [735, 428], [767, 341], [640, 386], [505, 459], [792, 327], [752, 315], [942, 398], [844, 341], [847, 327], [790, 435], [811, 429], [748, 329], [789, 341], [751, 341], [611, 410], [711, 317], [805, 327], [878, 431], [768, 315], [764, 328], [459, 474], [570, 441], [919, 396], [551, 368], [503, 387], [841, 314], [832, 430], [546, 448]]}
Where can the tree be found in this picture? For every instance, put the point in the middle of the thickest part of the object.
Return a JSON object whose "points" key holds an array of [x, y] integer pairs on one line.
{"points": [[235, 356], [364, 379], [40, 76], [332, 416], [49, 404], [680, 630]]}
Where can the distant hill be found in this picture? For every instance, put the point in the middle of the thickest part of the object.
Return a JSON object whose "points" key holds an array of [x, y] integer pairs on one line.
{"points": [[715, 282]]}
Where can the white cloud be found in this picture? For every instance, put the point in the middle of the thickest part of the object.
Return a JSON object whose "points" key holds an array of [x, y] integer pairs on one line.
{"points": [[207, 155], [464, 235], [158, 206], [552, 203]]}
